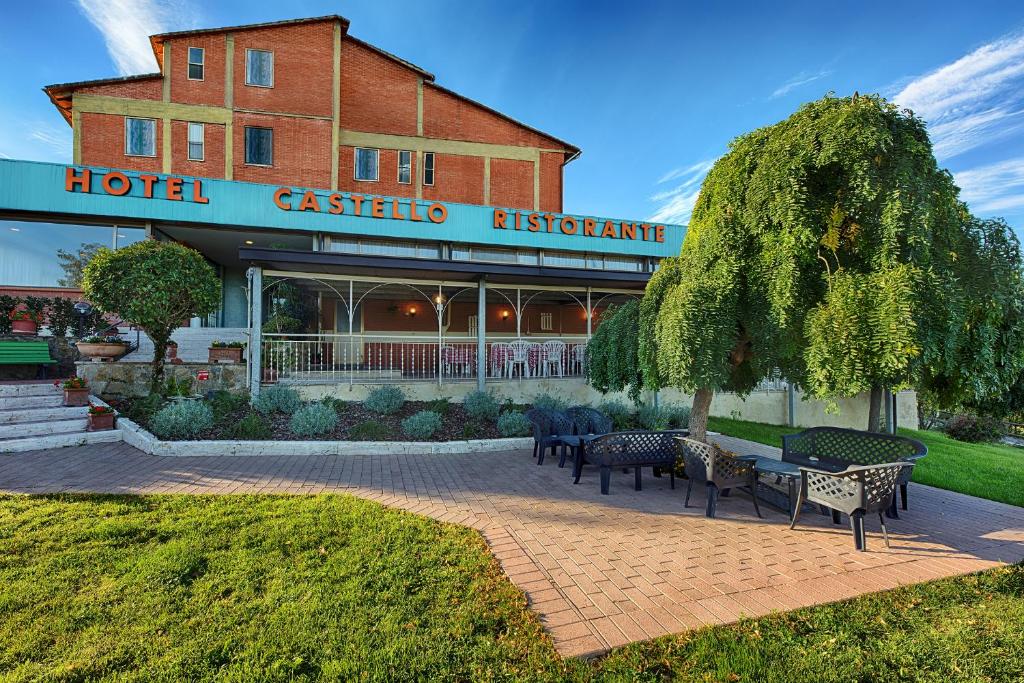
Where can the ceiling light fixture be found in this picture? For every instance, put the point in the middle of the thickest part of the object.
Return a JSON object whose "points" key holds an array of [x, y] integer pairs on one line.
{"points": [[248, 241]]}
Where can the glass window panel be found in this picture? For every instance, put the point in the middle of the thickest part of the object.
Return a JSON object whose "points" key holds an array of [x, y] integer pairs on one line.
{"points": [[140, 137], [494, 255], [344, 246], [428, 168], [528, 258], [460, 253], [405, 167], [124, 236], [366, 164], [196, 59], [196, 152], [564, 259], [35, 254], [623, 263], [259, 146], [375, 248], [341, 318], [259, 68], [595, 261]]}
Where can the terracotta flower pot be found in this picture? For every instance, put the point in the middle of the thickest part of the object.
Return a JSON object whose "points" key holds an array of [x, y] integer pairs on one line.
{"points": [[102, 422], [24, 327], [172, 352], [225, 354], [97, 350], [76, 398]]}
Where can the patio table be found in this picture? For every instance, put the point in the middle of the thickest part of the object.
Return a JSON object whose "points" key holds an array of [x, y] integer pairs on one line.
{"points": [[783, 472]]}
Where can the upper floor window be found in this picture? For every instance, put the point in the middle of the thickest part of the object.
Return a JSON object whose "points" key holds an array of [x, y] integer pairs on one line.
{"points": [[196, 142], [259, 146], [366, 163], [196, 63], [428, 168], [405, 167], [259, 68], [140, 137]]}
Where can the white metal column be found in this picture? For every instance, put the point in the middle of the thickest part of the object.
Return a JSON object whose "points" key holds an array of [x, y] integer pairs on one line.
{"points": [[481, 334], [255, 331]]}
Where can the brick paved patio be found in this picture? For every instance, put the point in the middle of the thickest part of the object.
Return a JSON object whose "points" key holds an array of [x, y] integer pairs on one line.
{"points": [[600, 570]]}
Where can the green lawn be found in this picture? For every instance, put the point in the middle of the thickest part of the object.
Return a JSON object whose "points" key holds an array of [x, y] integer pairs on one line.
{"points": [[274, 588], [986, 470]]}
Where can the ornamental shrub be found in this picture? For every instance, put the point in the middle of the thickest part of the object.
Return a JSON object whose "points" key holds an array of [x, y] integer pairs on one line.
{"points": [[622, 415], [441, 406], [371, 430], [182, 420], [278, 399], [513, 424], [667, 416], [313, 419], [422, 425], [252, 427], [549, 402], [974, 429], [481, 405], [385, 400]]}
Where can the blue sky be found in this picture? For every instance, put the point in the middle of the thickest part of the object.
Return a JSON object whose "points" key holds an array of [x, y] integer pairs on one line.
{"points": [[651, 91]]}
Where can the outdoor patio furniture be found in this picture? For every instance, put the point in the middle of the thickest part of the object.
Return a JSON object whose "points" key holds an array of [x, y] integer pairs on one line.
{"points": [[26, 353], [835, 449], [519, 358], [720, 471], [579, 357], [856, 491], [459, 360], [627, 450], [499, 358], [552, 429], [553, 354]]}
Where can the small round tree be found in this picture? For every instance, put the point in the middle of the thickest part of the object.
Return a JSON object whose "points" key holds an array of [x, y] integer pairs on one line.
{"points": [[154, 286]]}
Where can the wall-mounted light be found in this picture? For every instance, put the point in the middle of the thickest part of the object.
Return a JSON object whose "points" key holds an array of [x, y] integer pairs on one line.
{"points": [[249, 242], [411, 312], [505, 315]]}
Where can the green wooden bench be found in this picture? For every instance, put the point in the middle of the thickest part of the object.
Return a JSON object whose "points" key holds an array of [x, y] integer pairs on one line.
{"points": [[26, 353]]}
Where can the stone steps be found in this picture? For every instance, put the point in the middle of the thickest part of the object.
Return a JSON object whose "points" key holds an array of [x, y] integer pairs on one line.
{"points": [[41, 414], [34, 389], [55, 399], [44, 428], [193, 342], [33, 417]]}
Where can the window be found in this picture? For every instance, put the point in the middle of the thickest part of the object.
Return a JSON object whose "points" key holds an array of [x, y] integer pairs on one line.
{"points": [[405, 167], [37, 254], [140, 137], [196, 62], [523, 257], [564, 259], [196, 142], [623, 263], [366, 163], [473, 324], [259, 68], [428, 168], [259, 146], [407, 249], [546, 322]]}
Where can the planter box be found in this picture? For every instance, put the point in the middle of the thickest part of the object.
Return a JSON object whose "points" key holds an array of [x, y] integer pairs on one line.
{"points": [[225, 355], [76, 398], [24, 327], [100, 350], [99, 423]]}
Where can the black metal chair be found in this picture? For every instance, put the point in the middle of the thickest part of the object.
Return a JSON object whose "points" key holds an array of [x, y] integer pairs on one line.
{"points": [[718, 470]]}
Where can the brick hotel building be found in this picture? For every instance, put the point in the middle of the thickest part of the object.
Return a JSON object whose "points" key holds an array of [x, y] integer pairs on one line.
{"points": [[412, 234]]}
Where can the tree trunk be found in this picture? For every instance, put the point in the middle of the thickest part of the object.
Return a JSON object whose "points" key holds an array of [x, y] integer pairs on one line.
{"points": [[699, 414], [875, 409], [159, 352]]}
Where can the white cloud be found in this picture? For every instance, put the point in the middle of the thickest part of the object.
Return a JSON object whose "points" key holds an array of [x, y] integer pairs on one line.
{"points": [[994, 187], [127, 24], [972, 101], [676, 203], [801, 79]]}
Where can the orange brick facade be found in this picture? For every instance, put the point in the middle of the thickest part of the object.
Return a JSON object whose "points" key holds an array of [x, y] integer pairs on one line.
{"points": [[383, 103]]}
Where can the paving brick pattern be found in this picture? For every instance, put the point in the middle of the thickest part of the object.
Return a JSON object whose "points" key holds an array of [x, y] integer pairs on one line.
{"points": [[601, 571]]}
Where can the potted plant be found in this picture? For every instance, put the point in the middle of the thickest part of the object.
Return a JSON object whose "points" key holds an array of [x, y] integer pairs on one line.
{"points": [[25, 322], [101, 418], [226, 352], [76, 392], [102, 347]]}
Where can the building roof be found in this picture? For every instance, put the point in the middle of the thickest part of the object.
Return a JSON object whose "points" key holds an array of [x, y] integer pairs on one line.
{"points": [[60, 93], [157, 40]]}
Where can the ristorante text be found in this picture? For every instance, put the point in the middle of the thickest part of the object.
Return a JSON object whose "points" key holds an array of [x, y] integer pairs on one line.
{"points": [[570, 225]]}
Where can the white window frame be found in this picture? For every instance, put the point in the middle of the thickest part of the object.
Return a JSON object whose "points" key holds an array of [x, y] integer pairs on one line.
{"points": [[245, 147], [546, 322], [139, 118], [273, 61], [433, 168], [355, 165], [189, 62], [399, 174], [202, 140]]}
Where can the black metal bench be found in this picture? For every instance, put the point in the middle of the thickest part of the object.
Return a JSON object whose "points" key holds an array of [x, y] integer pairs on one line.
{"points": [[835, 449], [630, 450]]}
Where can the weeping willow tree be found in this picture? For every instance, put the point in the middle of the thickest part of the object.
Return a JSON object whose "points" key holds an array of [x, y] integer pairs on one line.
{"points": [[831, 246], [613, 366]]}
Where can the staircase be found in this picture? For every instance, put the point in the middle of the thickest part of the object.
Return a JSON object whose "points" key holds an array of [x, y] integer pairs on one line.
{"points": [[32, 417], [193, 342]]}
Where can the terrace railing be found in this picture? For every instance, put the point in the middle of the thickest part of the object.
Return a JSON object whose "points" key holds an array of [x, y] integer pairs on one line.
{"points": [[372, 358]]}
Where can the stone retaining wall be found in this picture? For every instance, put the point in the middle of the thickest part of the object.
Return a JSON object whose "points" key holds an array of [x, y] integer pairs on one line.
{"points": [[131, 380]]}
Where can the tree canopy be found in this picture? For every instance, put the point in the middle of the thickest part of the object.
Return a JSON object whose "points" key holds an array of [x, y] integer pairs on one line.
{"points": [[153, 285], [832, 246]]}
